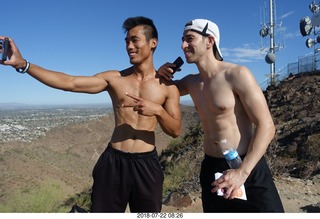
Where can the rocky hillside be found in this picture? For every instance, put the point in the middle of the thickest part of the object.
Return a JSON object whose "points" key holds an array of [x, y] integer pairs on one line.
{"points": [[295, 107]]}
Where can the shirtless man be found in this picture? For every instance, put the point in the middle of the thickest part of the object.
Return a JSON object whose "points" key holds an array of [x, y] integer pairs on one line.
{"points": [[128, 171], [231, 106]]}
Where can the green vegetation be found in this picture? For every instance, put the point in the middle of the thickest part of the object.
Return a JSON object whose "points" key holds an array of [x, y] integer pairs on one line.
{"points": [[181, 167], [175, 175], [44, 198], [82, 199]]}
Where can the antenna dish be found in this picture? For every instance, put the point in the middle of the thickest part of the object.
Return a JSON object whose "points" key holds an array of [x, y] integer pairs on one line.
{"points": [[264, 32], [305, 26], [314, 8], [270, 58], [309, 43]]}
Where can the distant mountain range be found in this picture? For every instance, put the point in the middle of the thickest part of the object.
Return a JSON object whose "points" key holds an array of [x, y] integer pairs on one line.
{"points": [[4, 106]]}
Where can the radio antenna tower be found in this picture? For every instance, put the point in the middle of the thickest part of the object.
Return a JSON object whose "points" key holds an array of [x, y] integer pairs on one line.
{"points": [[269, 30], [307, 26]]}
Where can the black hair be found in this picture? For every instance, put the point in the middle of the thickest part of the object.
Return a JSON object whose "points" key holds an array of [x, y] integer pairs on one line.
{"points": [[149, 27]]}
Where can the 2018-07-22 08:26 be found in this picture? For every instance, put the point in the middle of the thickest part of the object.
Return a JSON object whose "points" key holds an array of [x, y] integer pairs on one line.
{"points": [[160, 215]]}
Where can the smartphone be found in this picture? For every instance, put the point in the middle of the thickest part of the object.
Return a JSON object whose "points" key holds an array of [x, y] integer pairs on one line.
{"points": [[4, 49], [178, 62]]}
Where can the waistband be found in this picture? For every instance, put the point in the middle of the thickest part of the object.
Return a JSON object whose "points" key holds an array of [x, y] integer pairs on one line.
{"points": [[120, 153], [208, 157]]}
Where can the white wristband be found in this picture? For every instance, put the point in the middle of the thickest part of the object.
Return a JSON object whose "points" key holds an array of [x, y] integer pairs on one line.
{"points": [[25, 69]]}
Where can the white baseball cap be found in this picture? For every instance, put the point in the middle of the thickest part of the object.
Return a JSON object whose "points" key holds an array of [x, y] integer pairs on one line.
{"points": [[206, 28]]}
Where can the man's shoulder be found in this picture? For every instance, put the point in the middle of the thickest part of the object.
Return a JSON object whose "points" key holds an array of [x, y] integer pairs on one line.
{"points": [[240, 77], [234, 67], [164, 82], [236, 70], [126, 72], [113, 73]]}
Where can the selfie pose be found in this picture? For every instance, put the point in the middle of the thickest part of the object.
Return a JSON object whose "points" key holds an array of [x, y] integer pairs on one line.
{"points": [[128, 171]]}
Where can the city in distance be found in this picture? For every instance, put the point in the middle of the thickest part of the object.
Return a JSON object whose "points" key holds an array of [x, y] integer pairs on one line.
{"points": [[22, 122]]}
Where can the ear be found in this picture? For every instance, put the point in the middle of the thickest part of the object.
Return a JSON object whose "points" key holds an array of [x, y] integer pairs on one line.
{"points": [[153, 43], [210, 41]]}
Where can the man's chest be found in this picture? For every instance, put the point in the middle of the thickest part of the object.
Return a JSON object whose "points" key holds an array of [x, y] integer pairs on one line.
{"points": [[212, 98], [150, 89]]}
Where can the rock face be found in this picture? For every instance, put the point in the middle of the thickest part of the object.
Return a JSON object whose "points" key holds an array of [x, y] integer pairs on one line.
{"points": [[294, 152], [295, 107], [179, 200]]}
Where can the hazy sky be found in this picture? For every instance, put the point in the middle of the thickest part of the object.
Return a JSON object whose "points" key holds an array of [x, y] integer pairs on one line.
{"points": [[84, 37]]}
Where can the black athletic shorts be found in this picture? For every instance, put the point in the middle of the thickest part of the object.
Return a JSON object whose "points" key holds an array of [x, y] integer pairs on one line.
{"points": [[262, 195], [122, 178]]}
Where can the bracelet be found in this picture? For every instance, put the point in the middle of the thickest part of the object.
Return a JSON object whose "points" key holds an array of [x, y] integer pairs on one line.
{"points": [[25, 69]]}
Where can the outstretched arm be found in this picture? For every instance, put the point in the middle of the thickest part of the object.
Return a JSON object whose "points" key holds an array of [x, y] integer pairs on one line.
{"points": [[58, 80]]}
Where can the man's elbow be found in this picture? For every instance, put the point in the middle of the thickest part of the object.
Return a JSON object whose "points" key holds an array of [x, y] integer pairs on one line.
{"points": [[271, 129], [176, 134]]}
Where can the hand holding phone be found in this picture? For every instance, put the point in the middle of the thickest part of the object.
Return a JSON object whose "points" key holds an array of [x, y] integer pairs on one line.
{"points": [[178, 62], [4, 49]]}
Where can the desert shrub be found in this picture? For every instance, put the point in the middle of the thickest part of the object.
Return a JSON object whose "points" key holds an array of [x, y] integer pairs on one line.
{"points": [[41, 199], [175, 144], [181, 161], [82, 199], [174, 175]]}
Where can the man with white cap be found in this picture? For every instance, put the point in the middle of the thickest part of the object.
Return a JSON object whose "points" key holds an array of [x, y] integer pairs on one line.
{"points": [[231, 106]]}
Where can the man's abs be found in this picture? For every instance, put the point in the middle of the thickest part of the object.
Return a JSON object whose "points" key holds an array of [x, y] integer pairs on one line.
{"points": [[127, 139]]}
